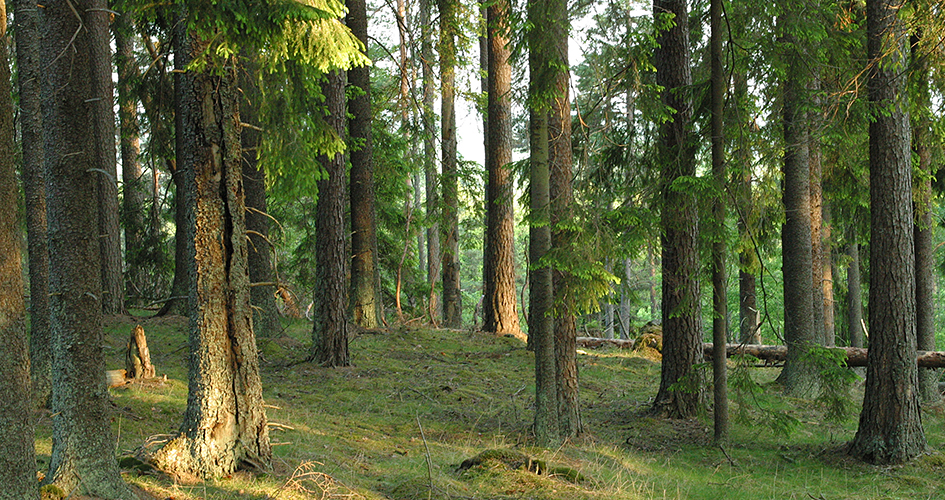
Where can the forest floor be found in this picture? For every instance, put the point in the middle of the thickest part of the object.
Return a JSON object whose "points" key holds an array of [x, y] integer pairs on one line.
{"points": [[419, 402]]}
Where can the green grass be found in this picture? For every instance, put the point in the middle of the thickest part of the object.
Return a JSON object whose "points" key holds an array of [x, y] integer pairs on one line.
{"points": [[417, 403]]}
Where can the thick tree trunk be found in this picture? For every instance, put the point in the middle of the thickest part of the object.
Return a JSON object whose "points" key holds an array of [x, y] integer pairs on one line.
{"points": [[500, 309], [890, 429], [330, 332], [29, 70], [924, 225], [224, 425], [366, 307], [82, 457], [102, 103], [434, 258], [262, 276], [681, 311], [132, 191], [452, 293], [17, 446], [797, 378]]}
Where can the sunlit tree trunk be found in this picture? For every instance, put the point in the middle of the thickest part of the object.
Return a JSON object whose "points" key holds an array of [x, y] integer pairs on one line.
{"points": [[366, 307], [224, 425], [499, 303], [17, 446]]}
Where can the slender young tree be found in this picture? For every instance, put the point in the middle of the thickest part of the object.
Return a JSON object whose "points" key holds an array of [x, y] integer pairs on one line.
{"points": [[224, 425], [262, 275], [434, 258], [367, 309], [796, 377], [330, 331], [452, 295], [17, 451], [854, 316], [82, 458], [499, 304], [132, 190], [719, 285], [924, 226], [113, 286], [890, 429], [681, 390], [818, 262], [29, 69]]}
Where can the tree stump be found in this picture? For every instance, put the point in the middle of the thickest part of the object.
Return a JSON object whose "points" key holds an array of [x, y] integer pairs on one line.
{"points": [[137, 357]]}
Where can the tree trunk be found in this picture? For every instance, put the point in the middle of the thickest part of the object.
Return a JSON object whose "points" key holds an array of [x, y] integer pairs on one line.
{"points": [[681, 311], [924, 225], [83, 454], [262, 275], [138, 356], [29, 69], [102, 103], [541, 292], [434, 258], [855, 332], [890, 429], [452, 293], [797, 377], [500, 309], [330, 332], [224, 425], [366, 307], [830, 330], [184, 110], [816, 214], [719, 279], [17, 446], [132, 192]]}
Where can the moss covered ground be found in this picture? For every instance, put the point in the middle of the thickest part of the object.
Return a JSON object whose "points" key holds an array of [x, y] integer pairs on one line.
{"points": [[419, 402]]}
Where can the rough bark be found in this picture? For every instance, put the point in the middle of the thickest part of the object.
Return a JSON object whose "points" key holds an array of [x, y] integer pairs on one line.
{"points": [[434, 258], [452, 293], [17, 447], [262, 275], [82, 457], [132, 191], [500, 309], [224, 425], [797, 378], [330, 332], [830, 329], [681, 311], [719, 279], [102, 103], [890, 429], [366, 307], [540, 281], [29, 69], [138, 357], [924, 225]]}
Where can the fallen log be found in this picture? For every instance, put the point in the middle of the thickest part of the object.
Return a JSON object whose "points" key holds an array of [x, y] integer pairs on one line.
{"points": [[856, 356]]}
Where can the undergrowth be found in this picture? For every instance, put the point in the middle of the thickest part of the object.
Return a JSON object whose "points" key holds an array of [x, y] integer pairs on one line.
{"points": [[418, 403]]}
